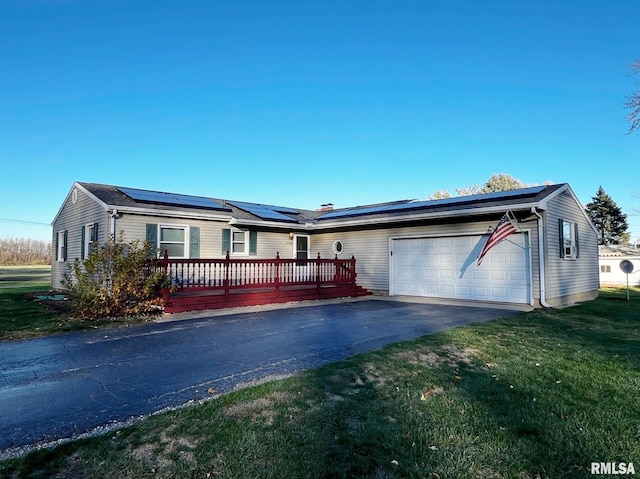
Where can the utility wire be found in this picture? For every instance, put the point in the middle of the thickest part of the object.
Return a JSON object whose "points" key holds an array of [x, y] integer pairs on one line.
{"points": [[24, 222]]}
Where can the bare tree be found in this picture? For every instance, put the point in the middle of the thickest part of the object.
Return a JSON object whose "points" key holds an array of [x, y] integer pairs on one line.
{"points": [[439, 195], [20, 251], [633, 101]]}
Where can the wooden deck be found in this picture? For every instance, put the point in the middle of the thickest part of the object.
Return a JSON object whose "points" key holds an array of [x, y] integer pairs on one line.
{"points": [[199, 284]]}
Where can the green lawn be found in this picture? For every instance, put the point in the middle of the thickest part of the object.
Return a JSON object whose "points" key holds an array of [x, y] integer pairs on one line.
{"points": [[26, 313], [25, 276], [536, 395]]}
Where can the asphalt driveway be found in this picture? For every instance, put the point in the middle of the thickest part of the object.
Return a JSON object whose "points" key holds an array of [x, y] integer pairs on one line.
{"points": [[63, 386]]}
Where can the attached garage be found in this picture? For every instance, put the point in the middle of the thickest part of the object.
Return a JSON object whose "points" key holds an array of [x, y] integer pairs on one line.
{"points": [[445, 267]]}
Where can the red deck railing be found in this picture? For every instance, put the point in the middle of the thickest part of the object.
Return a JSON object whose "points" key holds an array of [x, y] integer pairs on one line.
{"points": [[236, 274]]}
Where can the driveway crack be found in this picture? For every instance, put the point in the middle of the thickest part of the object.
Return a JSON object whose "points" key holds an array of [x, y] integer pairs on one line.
{"points": [[104, 388]]}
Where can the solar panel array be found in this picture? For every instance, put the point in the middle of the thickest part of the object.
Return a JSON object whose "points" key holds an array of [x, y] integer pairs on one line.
{"points": [[413, 205], [266, 212], [175, 199]]}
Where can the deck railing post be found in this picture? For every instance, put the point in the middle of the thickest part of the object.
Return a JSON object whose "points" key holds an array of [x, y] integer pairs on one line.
{"points": [[227, 264], [164, 264], [277, 273], [353, 272], [318, 273]]}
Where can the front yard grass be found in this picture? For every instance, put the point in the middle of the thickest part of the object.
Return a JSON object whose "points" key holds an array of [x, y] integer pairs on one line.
{"points": [[23, 316], [535, 395]]}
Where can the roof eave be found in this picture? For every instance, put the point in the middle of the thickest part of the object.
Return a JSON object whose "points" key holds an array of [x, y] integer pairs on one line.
{"points": [[271, 224], [170, 213], [427, 215]]}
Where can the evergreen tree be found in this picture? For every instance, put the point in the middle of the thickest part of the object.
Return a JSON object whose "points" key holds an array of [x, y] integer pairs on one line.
{"points": [[607, 216]]}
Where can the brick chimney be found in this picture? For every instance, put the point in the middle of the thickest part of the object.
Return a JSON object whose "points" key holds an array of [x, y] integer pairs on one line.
{"points": [[326, 207]]}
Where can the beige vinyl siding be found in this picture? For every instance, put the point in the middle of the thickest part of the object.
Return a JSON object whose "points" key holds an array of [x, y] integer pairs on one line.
{"points": [[269, 243], [72, 217], [134, 227], [371, 248], [568, 280]]}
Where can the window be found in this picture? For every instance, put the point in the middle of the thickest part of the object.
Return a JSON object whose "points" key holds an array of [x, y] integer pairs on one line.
{"points": [[61, 246], [605, 268], [89, 236], [239, 242], [337, 247], [173, 239], [569, 247], [180, 241]]}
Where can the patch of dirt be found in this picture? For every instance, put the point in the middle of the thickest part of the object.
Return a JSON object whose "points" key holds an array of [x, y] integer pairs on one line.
{"points": [[60, 307], [374, 375], [260, 409], [448, 355]]}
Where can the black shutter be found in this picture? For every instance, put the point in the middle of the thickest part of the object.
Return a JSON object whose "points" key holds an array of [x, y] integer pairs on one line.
{"points": [[152, 238], [561, 236], [577, 241], [226, 241], [194, 242], [82, 241], [64, 247], [152, 234], [253, 243]]}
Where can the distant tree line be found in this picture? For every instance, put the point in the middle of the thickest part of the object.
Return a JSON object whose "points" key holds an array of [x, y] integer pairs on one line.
{"points": [[19, 251]]}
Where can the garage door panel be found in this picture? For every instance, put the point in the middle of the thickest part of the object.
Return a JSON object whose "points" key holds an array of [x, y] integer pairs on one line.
{"points": [[446, 267], [446, 274], [498, 275], [431, 274], [479, 274]]}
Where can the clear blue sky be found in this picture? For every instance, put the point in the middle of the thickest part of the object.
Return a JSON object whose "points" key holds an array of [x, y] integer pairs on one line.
{"points": [[300, 103]]}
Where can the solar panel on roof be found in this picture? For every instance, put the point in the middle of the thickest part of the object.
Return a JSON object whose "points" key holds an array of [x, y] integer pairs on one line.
{"points": [[430, 203], [176, 199], [264, 211]]}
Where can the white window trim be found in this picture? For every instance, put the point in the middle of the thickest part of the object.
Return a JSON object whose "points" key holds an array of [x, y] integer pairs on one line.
{"points": [[186, 239], [88, 233], [61, 246], [245, 241], [571, 254]]}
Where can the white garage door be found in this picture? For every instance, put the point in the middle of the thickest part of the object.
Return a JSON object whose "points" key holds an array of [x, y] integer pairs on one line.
{"points": [[445, 267]]}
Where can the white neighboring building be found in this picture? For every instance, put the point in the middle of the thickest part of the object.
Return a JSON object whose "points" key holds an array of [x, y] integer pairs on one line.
{"points": [[610, 258]]}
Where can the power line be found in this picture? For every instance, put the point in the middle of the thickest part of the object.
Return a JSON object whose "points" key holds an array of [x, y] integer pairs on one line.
{"points": [[24, 222]]}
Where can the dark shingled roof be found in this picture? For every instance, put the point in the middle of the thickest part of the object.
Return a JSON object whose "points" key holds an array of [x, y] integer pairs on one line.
{"points": [[243, 211]]}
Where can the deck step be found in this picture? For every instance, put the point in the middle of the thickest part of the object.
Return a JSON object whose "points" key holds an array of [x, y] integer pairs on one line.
{"points": [[181, 302]]}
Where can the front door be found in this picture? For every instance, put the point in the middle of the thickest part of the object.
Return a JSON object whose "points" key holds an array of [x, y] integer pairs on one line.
{"points": [[301, 254]]}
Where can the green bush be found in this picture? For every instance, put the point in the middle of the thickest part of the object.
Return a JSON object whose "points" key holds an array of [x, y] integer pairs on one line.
{"points": [[116, 279]]}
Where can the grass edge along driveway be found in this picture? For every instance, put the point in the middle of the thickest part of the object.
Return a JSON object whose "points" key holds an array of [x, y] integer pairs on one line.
{"points": [[535, 395]]}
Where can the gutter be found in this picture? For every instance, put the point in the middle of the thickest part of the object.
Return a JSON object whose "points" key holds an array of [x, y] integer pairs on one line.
{"points": [[543, 288], [326, 224]]}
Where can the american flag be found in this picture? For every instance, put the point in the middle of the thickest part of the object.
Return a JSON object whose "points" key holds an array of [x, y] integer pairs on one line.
{"points": [[501, 231]]}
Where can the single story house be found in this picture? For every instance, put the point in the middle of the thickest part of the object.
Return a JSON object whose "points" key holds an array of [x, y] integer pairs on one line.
{"points": [[610, 258], [406, 247]]}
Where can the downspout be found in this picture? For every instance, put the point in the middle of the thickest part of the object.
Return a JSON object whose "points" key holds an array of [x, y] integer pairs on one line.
{"points": [[543, 288], [114, 216]]}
